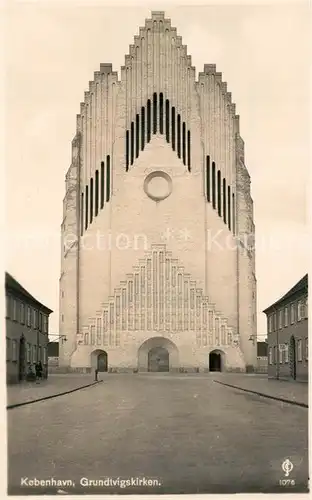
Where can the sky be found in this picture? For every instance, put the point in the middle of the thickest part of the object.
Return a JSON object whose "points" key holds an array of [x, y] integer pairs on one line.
{"points": [[52, 52]]}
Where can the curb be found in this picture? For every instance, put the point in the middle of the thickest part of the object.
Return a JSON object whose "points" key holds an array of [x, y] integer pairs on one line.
{"points": [[9, 407], [284, 400]]}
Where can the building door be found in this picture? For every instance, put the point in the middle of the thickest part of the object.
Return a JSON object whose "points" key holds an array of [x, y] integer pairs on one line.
{"points": [[102, 362], [215, 362], [292, 357], [21, 359], [158, 360]]}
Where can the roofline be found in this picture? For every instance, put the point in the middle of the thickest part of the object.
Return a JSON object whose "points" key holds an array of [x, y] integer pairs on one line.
{"points": [[293, 291], [13, 285]]}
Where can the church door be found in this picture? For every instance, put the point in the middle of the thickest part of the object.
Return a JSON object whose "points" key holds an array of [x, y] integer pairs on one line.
{"points": [[102, 362], [215, 362], [292, 357], [158, 360]]}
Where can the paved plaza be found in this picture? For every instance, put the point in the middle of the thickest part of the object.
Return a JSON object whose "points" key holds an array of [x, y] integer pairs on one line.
{"points": [[176, 433]]}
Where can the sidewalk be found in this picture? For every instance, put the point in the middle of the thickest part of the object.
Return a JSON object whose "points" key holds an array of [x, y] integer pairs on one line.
{"points": [[297, 392], [55, 384]]}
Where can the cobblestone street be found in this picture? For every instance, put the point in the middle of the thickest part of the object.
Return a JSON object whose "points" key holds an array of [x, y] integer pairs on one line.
{"points": [[188, 432]]}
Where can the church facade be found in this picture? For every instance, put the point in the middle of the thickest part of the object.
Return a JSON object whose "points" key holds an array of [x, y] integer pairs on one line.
{"points": [[158, 261]]}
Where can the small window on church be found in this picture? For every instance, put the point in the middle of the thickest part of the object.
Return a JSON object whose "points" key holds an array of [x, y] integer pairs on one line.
{"points": [[96, 192], [189, 150], [103, 183], [87, 207], [137, 135], [91, 200], [179, 136], [213, 184], [229, 207], [81, 214], [142, 128], [161, 113], [154, 113], [149, 122], [132, 143], [224, 200], [108, 178], [183, 143], [173, 128], [167, 121], [127, 150], [219, 192], [208, 180]]}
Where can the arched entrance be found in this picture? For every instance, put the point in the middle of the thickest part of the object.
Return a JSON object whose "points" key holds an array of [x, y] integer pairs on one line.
{"points": [[292, 357], [215, 361], [158, 359], [158, 354], [99, 360]]}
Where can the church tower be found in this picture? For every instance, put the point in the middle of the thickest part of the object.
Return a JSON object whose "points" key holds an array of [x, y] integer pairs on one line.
{"points": [[158, 262]]}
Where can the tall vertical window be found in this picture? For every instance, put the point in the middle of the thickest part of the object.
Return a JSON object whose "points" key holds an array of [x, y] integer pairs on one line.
{"points": [[173, 128], [34, 354], [108, 187], [8, 349], [87, 207], [91, 200], [179, 136], [22, 313], [224, 200], [142, 128], [14, 310], [40, 322], [306, 348], [8, 306], [96, 192], [35, 318], [270, 323], [219, 193], [274, 322], [102, 184], [137, 135], [234, 211], [154, 113], [127, 151], [270, 356], [81, 214], [299, 349], [213, 184], [167, 121], [28, 316], [280, 318], [28, 353], [149, 121], [229, 207], [292, 313], [208, 181], [161, 113], [14, 350], [183, 143], [286, 316], [189, 150], [286, 353], [132, 143]]}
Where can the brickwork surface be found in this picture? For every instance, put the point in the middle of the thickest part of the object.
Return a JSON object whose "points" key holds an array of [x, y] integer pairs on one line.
{"points": [[293, 391], [188, 432], [55, 384]]}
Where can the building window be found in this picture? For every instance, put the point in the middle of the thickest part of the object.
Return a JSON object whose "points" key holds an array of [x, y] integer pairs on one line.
{"points": [[274, 322], [14, 310], [14, 350], [40, 322], [8, 306], [28, 353], [28, 316], [292, 313], [299, 310], [286, 316], [35, 318], [39, 353], [306, 348], [45, 323], [286, 353], [280, 353], [22, 313], [34, 354], [270, 356], [270, 322], [299, 349], [44, 355], [280, 318], [8, 349]]}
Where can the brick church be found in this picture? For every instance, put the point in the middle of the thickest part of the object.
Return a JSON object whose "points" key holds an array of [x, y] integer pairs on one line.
{"points": [[158, 262]]}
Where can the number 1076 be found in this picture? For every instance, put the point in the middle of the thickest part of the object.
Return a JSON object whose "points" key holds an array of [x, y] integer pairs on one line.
{"points": [[287, 482]]}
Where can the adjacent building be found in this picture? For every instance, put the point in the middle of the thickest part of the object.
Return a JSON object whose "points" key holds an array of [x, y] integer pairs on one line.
{"points": [[262, 357], [27, 325], [287, 321], [157, 255]]}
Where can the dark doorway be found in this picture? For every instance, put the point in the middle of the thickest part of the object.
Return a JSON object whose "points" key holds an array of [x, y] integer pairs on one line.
{"points": [[158, 360], [215, 362], [21, 359], [292, 357], [102, 362]]}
